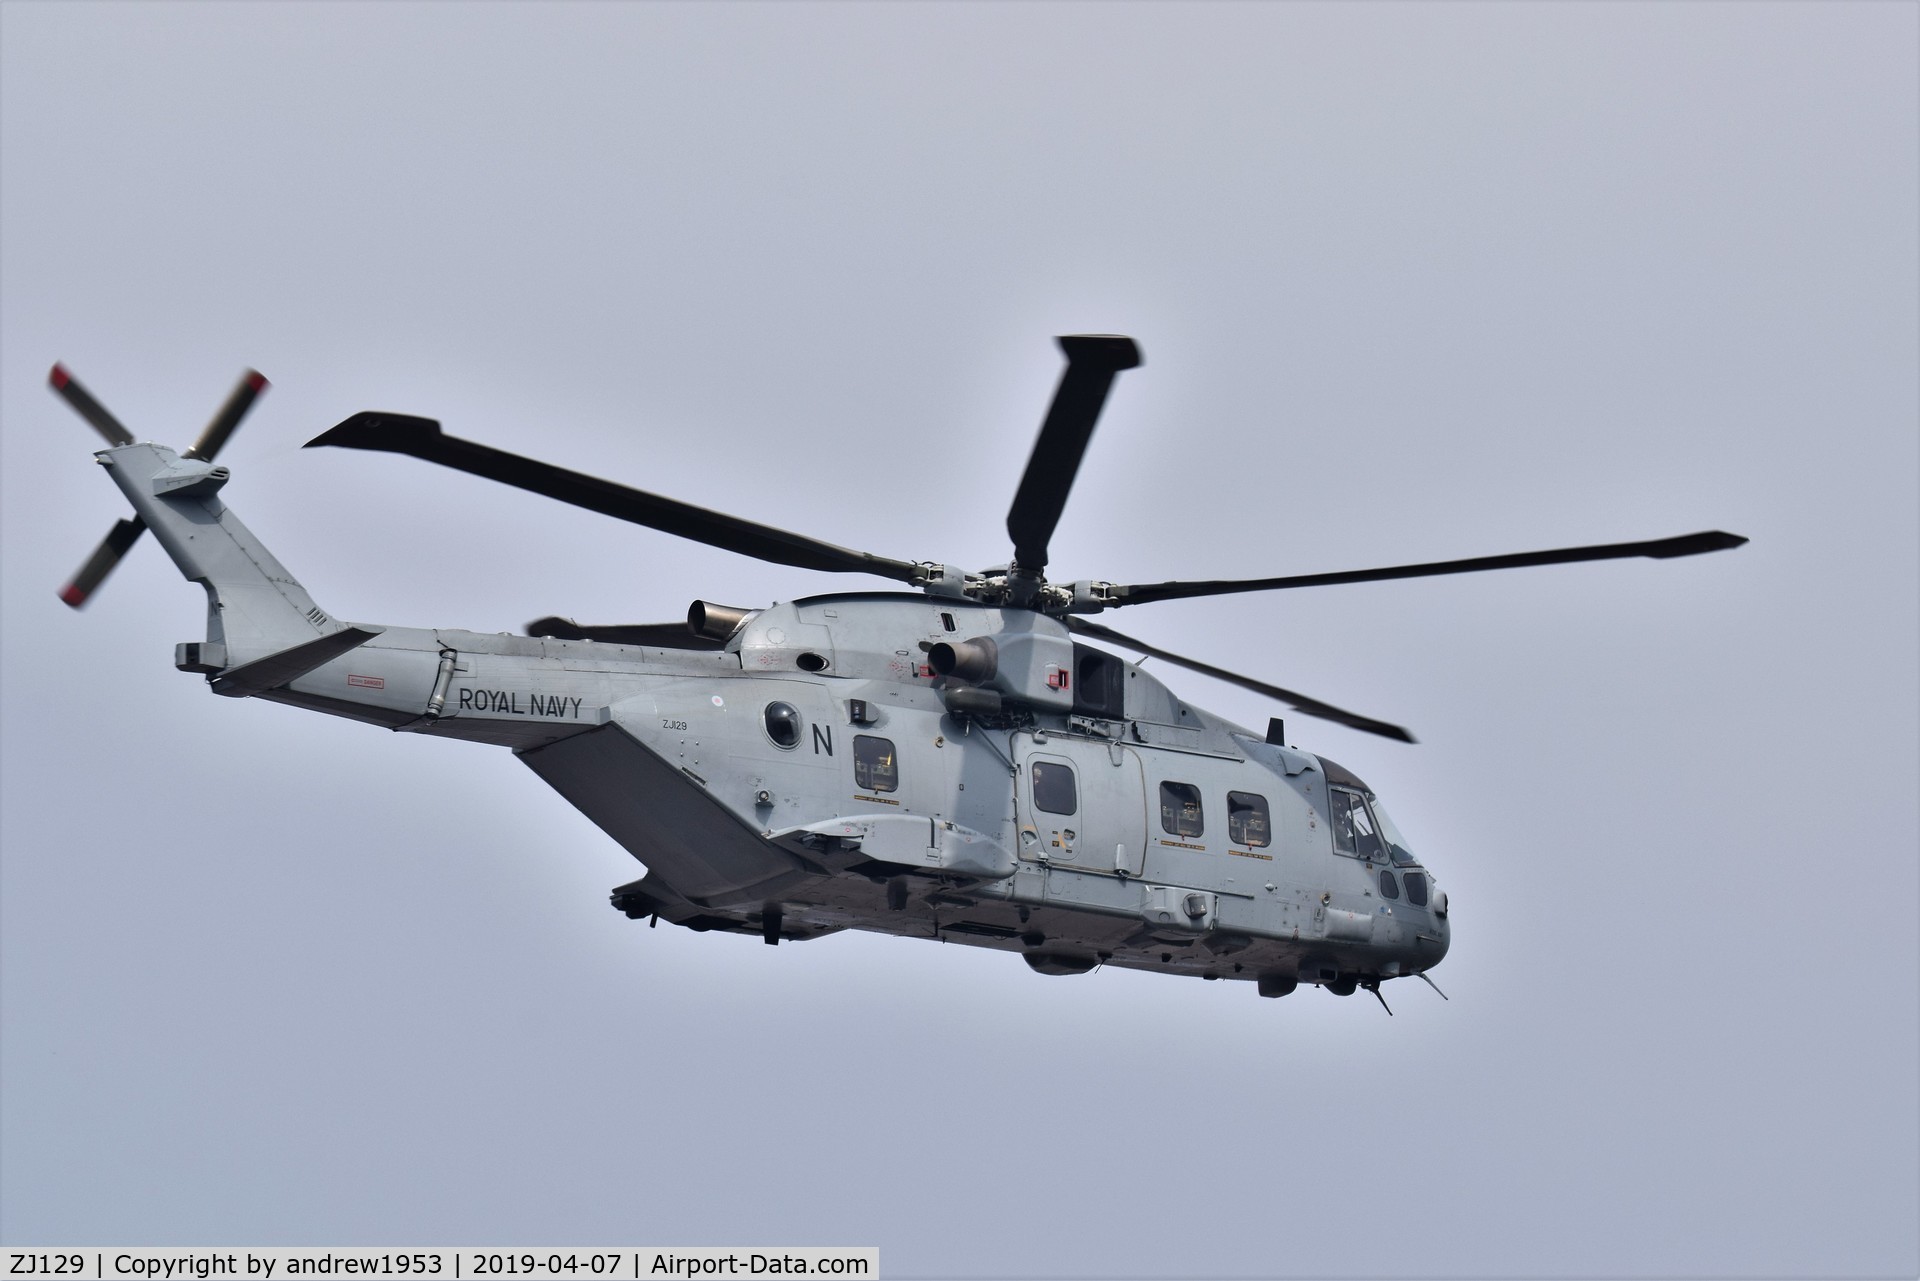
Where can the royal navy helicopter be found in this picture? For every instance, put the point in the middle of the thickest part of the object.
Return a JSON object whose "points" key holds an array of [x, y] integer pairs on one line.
{"points": [[963, 762]]}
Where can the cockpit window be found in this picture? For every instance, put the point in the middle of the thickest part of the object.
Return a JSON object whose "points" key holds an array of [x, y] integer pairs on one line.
{"points": [[1396, 844], [1354, 831], [1417, 888]]}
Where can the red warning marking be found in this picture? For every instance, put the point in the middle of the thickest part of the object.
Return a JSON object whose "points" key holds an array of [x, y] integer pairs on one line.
{"points": [[367, 682]]}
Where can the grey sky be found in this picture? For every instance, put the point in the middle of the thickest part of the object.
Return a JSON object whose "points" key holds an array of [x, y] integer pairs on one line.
{"points": [[1412, 282]]}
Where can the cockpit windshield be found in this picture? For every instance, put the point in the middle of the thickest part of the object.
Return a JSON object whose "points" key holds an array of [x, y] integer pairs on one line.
{"points": [[1354, 831], [1362, 829], [1396, 844]]}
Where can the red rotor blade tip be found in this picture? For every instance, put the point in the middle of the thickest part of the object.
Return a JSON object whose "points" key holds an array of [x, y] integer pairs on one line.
{"points": [[257, 381], [59, 377], [72, 595]]}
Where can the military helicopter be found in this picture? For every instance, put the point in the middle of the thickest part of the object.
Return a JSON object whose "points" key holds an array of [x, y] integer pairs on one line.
{"points": [[960, 762]]}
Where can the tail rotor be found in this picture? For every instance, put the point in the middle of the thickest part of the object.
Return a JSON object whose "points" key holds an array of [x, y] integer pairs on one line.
{"points": [[127, 532]]}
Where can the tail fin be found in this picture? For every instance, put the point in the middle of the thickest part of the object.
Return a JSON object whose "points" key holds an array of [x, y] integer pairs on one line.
{"points": [[255, 608]]}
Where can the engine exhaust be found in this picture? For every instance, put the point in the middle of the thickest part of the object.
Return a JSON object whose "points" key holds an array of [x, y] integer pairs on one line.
{"points": [[974, 661], [716, 622]]}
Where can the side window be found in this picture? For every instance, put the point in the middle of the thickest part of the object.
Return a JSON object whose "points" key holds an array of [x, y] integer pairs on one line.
{"points": [[1053, 788], [1366, 833], [875, 768], [1417, 888], [1180, 809], [1248, 822], [1387, 888], [1354, 831]]}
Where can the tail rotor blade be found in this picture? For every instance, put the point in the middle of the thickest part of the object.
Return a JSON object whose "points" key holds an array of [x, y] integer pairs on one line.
{"points": [[252, 383], [124, 532], [68, 388], [1092, 362], [122, 536]]}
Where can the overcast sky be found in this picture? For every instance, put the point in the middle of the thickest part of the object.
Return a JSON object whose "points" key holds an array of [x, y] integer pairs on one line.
{"points": [[1412, 282]]}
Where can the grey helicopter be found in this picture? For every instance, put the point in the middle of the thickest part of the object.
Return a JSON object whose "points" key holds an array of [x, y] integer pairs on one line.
{"points": [[968, 761]]}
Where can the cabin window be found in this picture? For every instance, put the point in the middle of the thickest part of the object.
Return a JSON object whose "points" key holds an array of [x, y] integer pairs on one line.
{"points": [[1054, 789], [1417, 888], [1248, 821], [1354, 831], [1387, 887], [1180, 809], [875, 767], [783, 725]]}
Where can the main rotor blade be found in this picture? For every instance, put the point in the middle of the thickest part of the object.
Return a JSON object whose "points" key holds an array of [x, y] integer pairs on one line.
{"points": [[69, 389], [252, 383], [422, 438], [1092, 362], [1299, 702], [1661, 548], [658, 635]]}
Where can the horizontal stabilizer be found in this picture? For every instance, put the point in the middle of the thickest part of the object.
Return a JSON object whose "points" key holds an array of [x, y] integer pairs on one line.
{"points": [[275, 670]]}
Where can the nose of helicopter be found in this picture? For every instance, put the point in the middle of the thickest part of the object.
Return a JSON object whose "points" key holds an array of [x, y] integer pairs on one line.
{"points": [[1433, 947]]}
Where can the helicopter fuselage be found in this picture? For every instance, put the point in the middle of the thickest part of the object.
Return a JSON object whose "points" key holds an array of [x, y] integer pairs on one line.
{"points": [[819, 774]]}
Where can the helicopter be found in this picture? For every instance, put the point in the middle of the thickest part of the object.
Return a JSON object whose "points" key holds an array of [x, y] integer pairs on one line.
{"points": [[968, 761]]}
